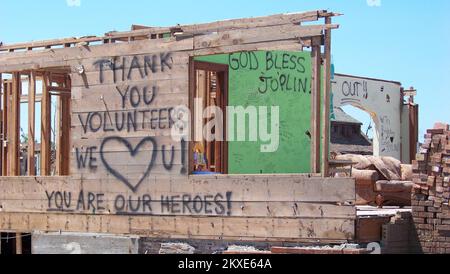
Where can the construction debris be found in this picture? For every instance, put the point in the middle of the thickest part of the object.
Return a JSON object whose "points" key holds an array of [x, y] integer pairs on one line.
{"points": [[380, 180], [431, 210], [176, 248]]}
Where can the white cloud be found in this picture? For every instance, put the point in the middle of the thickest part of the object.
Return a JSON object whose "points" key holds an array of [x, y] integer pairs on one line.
{"points": [[374, 3], [73, 3]]}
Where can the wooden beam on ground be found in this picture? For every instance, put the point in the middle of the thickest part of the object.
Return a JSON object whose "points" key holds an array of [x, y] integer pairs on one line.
{"points": [[45, 127], [31, 124], [326, 102], [14, 128]]}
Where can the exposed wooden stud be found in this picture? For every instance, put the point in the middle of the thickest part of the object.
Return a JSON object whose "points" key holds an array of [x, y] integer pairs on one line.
{"points": [[14, 128], [2, 122], [32, 124], [63, 133], [19, 244], [413, 129], [326, 102], [5, 107], [59, 134], [45, 127], [192, 88], [315, 109]]}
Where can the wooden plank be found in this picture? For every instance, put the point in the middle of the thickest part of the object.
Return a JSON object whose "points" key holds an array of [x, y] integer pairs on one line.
{"points": [[254, 22], [6, 109], [369, 230], [259, 188], [63, 131], [326, 104], [315, 109], [45, 127], [2, 163], [288, 45], [18, 243], [70, 57], [65, 138], [47, 43], [251, 209], [90, 80], [264, 34], [233, 228], [14, 127], [58, 135], [31, 124]]}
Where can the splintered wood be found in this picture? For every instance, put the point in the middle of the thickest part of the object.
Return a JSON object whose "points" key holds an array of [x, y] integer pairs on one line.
{"points": [[431, 210]]}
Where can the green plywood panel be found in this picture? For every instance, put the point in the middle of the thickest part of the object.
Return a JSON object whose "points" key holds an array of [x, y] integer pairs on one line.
{"points": [[271, 78]]}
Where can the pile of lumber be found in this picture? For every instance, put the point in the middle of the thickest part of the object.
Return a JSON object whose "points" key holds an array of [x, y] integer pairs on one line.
{"points": [[380, 180], [430, 200]]}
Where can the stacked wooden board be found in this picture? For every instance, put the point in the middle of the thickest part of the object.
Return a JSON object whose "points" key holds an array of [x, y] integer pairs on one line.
{"points": [[431, 197]]}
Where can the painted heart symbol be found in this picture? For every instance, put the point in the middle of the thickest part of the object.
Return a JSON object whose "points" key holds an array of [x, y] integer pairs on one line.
{"points": [[133, 152]]}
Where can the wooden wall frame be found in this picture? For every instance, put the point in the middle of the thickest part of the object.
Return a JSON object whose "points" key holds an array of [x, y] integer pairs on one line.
{"points": [[223, 71], [258, 207]]}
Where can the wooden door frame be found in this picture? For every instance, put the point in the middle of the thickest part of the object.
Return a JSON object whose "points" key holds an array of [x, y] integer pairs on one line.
{"points": [[220, 68]]}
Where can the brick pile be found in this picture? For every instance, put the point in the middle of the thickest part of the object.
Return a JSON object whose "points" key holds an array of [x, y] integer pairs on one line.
{"points": [[431, 195]]}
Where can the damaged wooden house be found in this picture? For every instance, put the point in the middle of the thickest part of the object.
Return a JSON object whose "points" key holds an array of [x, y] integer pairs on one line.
{"points": [[100, 137]]}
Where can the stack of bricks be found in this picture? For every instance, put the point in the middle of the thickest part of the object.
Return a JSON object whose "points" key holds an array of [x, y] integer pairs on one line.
{"points": [[431, 195]]}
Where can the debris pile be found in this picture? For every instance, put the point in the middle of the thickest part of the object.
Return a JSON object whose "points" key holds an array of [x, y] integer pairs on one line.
{"points": [[380, 180]]}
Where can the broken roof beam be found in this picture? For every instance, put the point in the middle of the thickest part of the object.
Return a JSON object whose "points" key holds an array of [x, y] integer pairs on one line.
{"points": [[252, 22], [65, 42], [158, 32], [259, 35]]}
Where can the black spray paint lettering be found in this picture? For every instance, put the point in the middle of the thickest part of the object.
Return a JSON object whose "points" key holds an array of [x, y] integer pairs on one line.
{"points": [[218, 204], [137, 96], [139, 66], [183, 157], [168, 165], [86, 158], [141, 204], [284, 82], [131, 121], [133, 152], [91, 202], [355, 89], [184, 204], [285, 61], [63, 201], [243, 60], [59, 200]]}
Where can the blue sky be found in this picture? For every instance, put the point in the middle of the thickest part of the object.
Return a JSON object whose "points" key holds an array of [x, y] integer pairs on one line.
{"points": [[402, 40]]}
